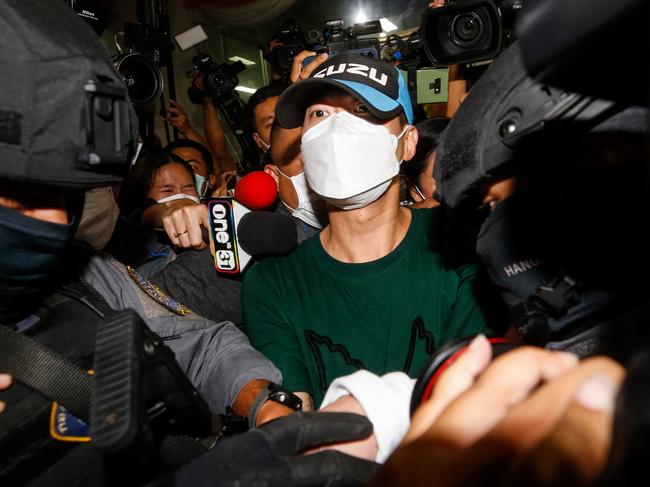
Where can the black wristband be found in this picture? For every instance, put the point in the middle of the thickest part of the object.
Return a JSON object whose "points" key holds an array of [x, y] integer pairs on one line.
{"points": [[276, 393]]}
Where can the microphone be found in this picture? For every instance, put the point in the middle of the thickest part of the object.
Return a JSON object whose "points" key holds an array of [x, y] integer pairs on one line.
{"points": [[237, 235], [264, 233], [257, 190]]}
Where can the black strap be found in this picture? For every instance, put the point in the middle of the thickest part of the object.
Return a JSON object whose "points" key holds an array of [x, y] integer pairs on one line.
{"points": [[553, 298], [45, 371]]}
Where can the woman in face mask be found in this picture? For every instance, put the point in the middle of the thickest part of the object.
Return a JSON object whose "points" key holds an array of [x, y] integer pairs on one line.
{"points": [[163, 179]]}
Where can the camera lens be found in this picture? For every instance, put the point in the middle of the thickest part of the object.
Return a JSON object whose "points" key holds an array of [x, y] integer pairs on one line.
{"points": [[465, 29]]}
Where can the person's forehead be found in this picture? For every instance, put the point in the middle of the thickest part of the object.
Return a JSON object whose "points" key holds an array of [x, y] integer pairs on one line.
{"points": [[332, 96], [267, 107], [189, 153], [173, 172]]}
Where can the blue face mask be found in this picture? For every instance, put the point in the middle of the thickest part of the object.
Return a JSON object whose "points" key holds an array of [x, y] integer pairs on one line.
{"points": [[30, 251], [201, 185]]}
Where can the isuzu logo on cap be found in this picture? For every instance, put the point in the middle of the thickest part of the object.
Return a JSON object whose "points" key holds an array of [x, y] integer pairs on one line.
{"points": [[353, 68]]}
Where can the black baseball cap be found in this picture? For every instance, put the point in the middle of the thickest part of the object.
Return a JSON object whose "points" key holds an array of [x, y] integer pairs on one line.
{"points": [[378, 84]]}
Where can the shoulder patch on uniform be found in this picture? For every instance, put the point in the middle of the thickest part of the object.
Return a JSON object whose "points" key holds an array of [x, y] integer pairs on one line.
{"points": [[157, 295]]}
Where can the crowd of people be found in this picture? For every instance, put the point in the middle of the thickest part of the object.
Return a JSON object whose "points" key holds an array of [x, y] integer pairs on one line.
{"points": [[518, 216]]}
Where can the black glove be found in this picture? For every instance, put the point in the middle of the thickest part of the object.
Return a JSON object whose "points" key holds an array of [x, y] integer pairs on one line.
{"points": [[270, 455]]}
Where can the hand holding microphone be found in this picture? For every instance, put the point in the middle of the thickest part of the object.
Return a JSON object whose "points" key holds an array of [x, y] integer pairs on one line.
{"points": [[238, 232]]}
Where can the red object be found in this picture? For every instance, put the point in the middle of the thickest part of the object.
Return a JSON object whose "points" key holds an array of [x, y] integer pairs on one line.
{"points": [[257, 190], [445, 365]]}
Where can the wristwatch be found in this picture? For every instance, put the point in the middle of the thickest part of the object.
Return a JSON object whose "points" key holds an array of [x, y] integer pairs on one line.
{"points": [[276, 393]]}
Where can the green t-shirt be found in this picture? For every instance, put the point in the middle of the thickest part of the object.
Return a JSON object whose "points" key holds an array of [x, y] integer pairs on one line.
{"points": [[318, 318]]}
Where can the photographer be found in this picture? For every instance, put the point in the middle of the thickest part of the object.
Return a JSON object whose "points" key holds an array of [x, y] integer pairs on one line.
{"points": [[216, 140]]}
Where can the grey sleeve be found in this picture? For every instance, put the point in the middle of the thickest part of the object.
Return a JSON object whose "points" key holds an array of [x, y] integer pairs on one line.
{"points": [[217, 357]]}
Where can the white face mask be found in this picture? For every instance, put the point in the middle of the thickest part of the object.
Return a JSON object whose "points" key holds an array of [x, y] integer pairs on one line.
{"points": [[348, 161], [265, 147], [179, 196], [311, 209]]}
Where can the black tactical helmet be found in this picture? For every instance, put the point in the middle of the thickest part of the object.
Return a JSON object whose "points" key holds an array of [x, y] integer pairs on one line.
{"points": [[65, 116]]}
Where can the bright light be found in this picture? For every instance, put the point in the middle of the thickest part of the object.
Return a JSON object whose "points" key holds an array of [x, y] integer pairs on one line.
{"points": [[387, 25], [245, 89], [247, 62], [361, 16]]}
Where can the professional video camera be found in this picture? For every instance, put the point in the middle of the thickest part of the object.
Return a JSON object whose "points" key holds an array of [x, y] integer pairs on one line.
{"points": [[147, 45], [144, 410], [360, 38], [466, 31], [290, 40], [219, 82]]}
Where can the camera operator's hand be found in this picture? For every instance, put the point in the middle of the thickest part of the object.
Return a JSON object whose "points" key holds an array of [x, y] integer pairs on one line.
{"points": [[183, 221], [497, 425], [270, 455], [5, 382], [177, 116], [300, 72]]}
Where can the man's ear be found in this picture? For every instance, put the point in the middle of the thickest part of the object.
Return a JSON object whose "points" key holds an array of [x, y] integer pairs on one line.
{"points": [[273, 171], [410, 142]]}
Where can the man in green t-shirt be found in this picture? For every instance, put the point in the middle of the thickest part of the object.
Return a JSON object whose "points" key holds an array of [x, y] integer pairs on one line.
{"points": [[382, 286]]}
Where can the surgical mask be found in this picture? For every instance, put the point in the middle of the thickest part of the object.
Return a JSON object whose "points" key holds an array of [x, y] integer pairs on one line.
{"points": [[201, 185], [179, 196], [30, 253], [310, 209], [349, 161], [99, 216], [265, 146]]}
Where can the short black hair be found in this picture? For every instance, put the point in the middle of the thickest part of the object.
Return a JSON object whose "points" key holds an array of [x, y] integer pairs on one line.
{"points": [[192, 144], [429, 131], [275, 88]]}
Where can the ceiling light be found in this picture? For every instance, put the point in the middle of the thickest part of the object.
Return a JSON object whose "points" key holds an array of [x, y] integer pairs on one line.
{"points": [[245, 89], [360, 17], [247, 62], [387, 25]]}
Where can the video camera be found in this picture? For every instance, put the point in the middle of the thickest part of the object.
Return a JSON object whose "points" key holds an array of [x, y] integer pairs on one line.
{"points": [[142, 399], [361, 38], [219, 80], [219, 83], [466, 31], [291, 40]]}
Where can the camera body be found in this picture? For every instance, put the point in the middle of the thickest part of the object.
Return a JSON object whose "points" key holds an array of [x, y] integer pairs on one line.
{"points": [[219, 80], [291, 40], [361, 38], [467, 31]]}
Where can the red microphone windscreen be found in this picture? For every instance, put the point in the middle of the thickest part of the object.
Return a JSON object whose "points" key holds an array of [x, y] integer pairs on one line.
{"points": [[257, 190]]}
